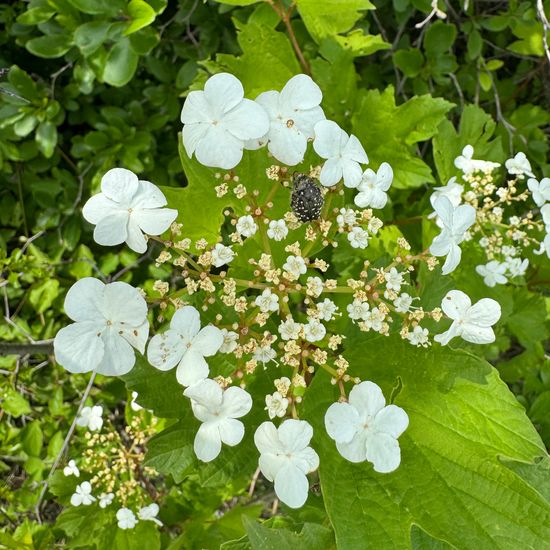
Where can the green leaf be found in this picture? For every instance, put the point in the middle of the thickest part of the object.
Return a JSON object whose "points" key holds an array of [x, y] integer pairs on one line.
{"points": [[485, 81], [35, 16], [99, 7], [401, 127], [32, 439], [360, 44], [451, 481], [42, 295], [14, 403], [439, 38], [142, 14], [238, 2], [324, 18], [409, 61], [23, 83], [46, 138], [121, 63], [89, 36], [49, 46]]}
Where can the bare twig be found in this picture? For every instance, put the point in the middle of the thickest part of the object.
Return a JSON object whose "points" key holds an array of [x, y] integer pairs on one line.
{"points": [[16, 348], [545, 26]]}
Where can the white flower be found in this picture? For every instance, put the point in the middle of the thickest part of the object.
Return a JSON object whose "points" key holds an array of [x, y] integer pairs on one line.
{"points": [[110, 320], [133, 404], [493, 273], [516, 266], [264, 354], [374, 224], [327, 309], [222, 255], [126, 519], [394, 279], [293, 113], [540, 191], [358, 238], [246, 226], [286, 458], [295, 265], [469, 165], [315, 286], [418, 336], [125, 209], [357, 309], [403, 303], [267, 301], [290, 329], [471, 322], [186, 345], [71, 469], [519, 166], [374, 319], [508, 250], [373, 187], [230, 341], [150, 513], [90, 417], [105, 499], [218, 121], [276, 405], [367, 429], [83, 495], [218, 410], [314, 331], [455, 222], [453, 191], [344, 155], [347, 216], [277, 230]]}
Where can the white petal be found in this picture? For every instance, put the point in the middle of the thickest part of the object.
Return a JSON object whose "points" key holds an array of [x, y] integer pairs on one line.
{"points": [[341, 422], [207, 393], [384, 176], [186, 321], [154, 221], [119, 185], [307, 460], [392, 420], [208, 341], [192, 369], [77, 347], [363, 199], [135, 336], [441, 244], [224, 91], [295, 435], [384, 453], [124, 304], [84, 300], [291, 486], [270, 102], [352, 173], [300, 92], [208, 443], [287, 145], [455, 304], [196, 109], [367, 398], [452, 260], [463, 217], [266, 439], [476, 334], [112, 230], [148, 195], [270, 464], [192, 134], [329, 140], [445, 337], [248, 120], [354, 150], [305, 121], [231, 431], [445, 210], [356, 450], [484, 313], [118, 357], [165, 350], [379, 199], [236, 402], [219, 149], [331, 173], [98, 207], [135, 239]]}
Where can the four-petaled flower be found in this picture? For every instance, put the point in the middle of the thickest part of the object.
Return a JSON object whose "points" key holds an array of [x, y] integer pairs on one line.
{"points": [[373, 187], [366, 429], [327, 309], [71, 469], [222, 255], [286, 458], [469, 165], [293, 113], [218, 121], [344, 155], [519, 166], [109, 320], [125, 209], [185, 344], [218, 411], [150, 513], [471, 322], [246, 226], [91, 418], [295, 266], [314, 330], [276, 405], [493, 273], [277, 230], [106, 499], [126, 519], [539, 190], [267, 301], [358, 237], [83, 495], [455, 222]]}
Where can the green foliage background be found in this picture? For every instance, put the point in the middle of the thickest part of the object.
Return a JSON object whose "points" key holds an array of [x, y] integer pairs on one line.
{"points": [[92, 84]]}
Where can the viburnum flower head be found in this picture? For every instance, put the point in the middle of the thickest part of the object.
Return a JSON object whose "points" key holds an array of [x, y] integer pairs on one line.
{"points": [[110, 320], [293, 113], [219, 120], [344, 155], [455, 222], [373, 187], [218, 411], [519, 166], [471, 322], [366, 429], [286, 458], [186, 345], [125, 209], [91, 418], [83, 495], [539, 190], [469, 165], [493, 273]]}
